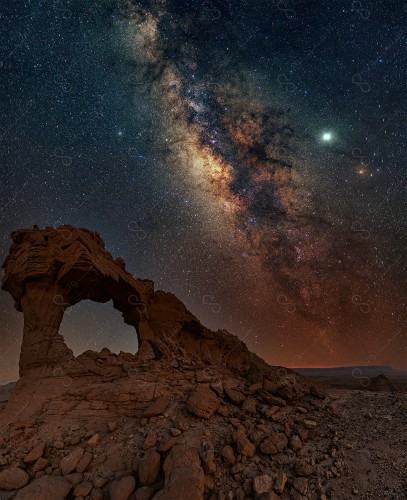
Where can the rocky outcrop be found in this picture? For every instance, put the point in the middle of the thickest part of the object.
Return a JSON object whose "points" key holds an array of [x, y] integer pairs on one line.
{"points": [[194, 414], [381, 383], [49, 270]]}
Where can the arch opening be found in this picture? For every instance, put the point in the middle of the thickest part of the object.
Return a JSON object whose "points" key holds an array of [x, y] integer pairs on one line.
{"points": [[90, 325]]}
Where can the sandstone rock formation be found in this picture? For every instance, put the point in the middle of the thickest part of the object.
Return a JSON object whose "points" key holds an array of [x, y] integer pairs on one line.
{"points": [[49, 270], [193, 414]]}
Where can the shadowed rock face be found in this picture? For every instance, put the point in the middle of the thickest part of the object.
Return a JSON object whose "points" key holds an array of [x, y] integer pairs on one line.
{"points": [[49, 270]]}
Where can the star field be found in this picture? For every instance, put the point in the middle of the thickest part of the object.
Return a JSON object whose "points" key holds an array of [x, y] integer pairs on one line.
{"points": [[247, 156]]}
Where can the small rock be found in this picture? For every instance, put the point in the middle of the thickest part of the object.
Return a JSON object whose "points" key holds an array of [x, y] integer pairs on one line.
{"points": [[249, 406], [94, 440], [112, 426], [13, 478], [310, 424], [301, 485], [228, 455], [262, 484], [75, 478], [40, 464], [144, 493], [280, 482], [122, 488], [274, 443], [303, 468], [243, 445], [84, 462], [232, 390], [295, 443], [175, 432], [68, 464], [208, 461], [166, 444], [150, 440], [83, 489], [157, 408], [35, 454], [100, 482], [58, 445], [96, 494], [203, 402], [149, 468]]}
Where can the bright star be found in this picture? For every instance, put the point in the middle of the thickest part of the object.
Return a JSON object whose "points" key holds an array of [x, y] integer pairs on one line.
{"points": [[326, 136]]}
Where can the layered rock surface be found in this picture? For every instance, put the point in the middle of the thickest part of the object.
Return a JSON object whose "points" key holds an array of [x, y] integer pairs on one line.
{"points": [[49, 270], [192, 415]]}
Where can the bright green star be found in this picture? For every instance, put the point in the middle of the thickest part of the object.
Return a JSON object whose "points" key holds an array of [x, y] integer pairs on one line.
{"points": [[326, 136]]}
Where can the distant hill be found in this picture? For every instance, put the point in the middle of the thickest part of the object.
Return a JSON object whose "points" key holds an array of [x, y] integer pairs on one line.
{"points": [[355, 377]]}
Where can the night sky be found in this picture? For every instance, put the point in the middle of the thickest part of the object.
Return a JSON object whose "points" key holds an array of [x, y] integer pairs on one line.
{"points": [[248, 156]]}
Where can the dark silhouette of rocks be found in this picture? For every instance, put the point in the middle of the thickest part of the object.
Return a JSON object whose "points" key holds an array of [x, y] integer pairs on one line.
{"points": [[381, 383]]}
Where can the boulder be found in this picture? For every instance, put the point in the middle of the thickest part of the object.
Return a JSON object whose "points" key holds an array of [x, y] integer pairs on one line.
{"points": [[69, 463], [157, 408], [203, 402], [35, 453], [303, 468], [184, 476], [262, 484], [149, 468], [45, 488], [274, 443], [121, 489], [243, 445], [82, 489], [13, 478]]}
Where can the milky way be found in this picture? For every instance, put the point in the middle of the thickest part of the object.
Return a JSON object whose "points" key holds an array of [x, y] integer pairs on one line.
{"points": [[243, 155], [247, 154]]}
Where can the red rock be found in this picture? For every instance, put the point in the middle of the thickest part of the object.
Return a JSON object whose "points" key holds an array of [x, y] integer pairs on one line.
{"points": [[274, 443], [13, 478], [150, 440], [232, 388], [295, 442], [68, 464], [94, 440], [280, 482], [243, 445], [203, 402], [46, 487], [262, 484], [84, 462], [303, 468], [149, 468], [122, 488], [40, 464], [83, 489], [144, 493], [49, 270], [157, 408], [228, 455], [35, 454], [184, 477]]}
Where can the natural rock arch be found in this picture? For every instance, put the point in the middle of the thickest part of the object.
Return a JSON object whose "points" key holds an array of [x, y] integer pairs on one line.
{"points": [[49, 270], [95, 325]]}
